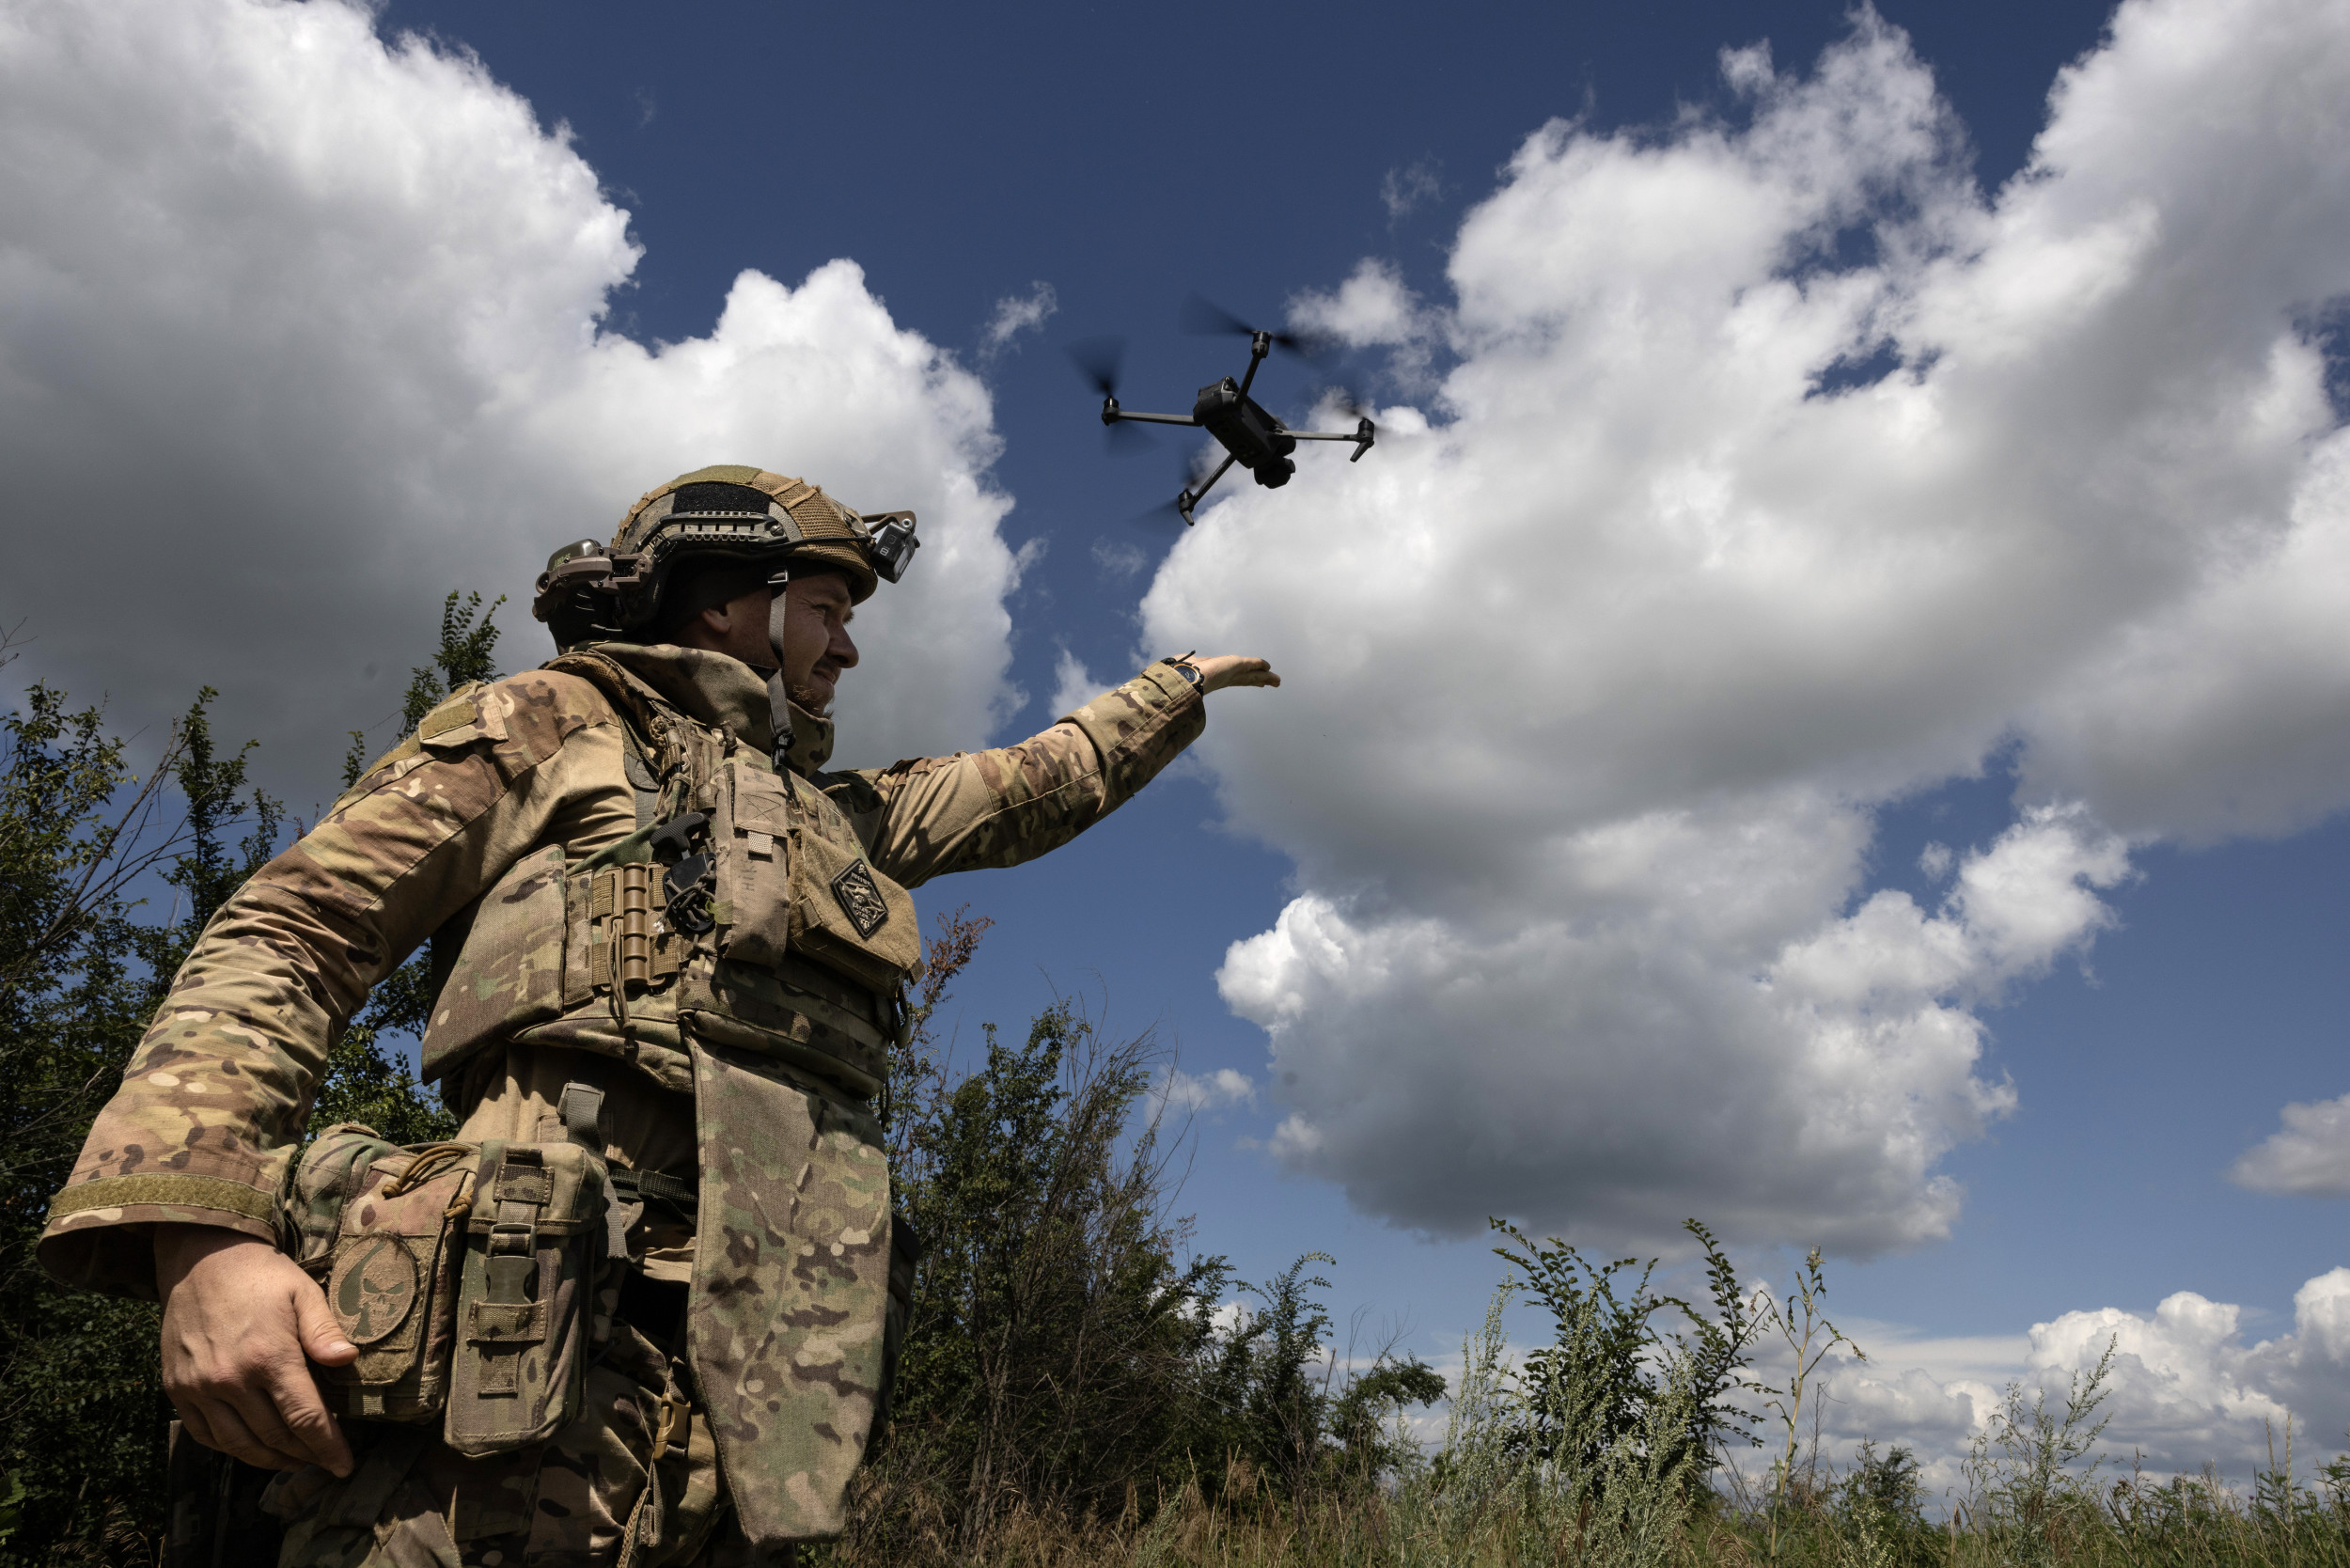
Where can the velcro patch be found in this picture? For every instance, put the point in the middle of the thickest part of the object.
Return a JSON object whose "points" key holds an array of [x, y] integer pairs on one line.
{"points": [[372, 1287], [448, 716], [861, 899]]}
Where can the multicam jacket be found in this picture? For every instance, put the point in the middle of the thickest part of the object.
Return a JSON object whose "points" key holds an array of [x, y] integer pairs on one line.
{"points": [[506, 829]]}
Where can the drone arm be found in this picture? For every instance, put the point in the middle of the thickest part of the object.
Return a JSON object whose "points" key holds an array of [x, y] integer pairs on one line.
{"points": [[1364, 435], [1259, 345], [1153, 419], [1190, 497]]}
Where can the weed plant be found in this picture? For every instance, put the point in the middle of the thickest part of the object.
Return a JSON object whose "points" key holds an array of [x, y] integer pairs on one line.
{"points": [[1580, 1453]]}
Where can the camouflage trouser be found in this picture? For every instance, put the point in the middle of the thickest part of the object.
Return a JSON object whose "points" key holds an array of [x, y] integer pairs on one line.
{"points": [[578, 1500]]}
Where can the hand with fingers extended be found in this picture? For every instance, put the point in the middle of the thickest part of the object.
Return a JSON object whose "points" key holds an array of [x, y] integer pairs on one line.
{"points": [[1219, 670], [241, 1324]]}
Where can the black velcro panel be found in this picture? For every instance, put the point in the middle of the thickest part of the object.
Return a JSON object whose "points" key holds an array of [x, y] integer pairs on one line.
{"points": [[718, 498]]}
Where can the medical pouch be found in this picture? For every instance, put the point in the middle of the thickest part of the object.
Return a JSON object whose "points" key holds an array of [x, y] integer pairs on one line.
{"points": [[380, 1227], [533, 1248]]}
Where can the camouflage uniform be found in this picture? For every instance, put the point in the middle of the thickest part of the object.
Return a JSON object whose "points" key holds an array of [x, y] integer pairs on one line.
{"points": [[504, 829]]}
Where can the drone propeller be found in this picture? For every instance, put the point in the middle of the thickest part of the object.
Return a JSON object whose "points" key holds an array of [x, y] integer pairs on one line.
{"points": [[1098, 360], [1167, 516], [1125, 440], [1204, 317]]}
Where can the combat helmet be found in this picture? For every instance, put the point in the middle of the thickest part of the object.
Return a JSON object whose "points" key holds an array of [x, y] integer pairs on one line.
{"points": [[592, 591]]}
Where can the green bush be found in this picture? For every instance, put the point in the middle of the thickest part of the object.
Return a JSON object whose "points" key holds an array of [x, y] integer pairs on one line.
{"points": [[82, 1419]]}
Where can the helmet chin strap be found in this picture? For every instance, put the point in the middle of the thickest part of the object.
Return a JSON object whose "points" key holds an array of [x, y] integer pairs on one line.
{"points": [[778, 700]]}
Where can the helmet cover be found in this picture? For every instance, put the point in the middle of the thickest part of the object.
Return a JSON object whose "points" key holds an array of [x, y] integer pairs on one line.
{"points": [[730, 511]]}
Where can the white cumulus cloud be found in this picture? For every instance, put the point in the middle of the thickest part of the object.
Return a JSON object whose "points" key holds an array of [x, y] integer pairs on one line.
{"points": [[2187, 1387], [1770, 472], [1073, 685], [301, 328], [2309, 1155], [1372, 307]]}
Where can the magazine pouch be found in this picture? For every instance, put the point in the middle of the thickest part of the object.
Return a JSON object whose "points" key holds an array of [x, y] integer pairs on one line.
{"points": [[380, 1227], [534, 1241]]}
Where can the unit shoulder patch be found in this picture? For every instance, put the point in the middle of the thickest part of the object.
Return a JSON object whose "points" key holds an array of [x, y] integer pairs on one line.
{"points": [[861, 899]]}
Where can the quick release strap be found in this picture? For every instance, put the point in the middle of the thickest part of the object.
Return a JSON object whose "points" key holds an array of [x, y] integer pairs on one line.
{"points": [[581, 1109], [651, 1184]]}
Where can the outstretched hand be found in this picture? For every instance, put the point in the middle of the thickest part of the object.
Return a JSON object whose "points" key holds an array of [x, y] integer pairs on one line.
{"points": [[241, 1324], [1219, 670]]}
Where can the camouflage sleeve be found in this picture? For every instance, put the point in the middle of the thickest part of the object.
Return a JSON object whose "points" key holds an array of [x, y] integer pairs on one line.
{"points": [[213, 1101], [932, 815]]}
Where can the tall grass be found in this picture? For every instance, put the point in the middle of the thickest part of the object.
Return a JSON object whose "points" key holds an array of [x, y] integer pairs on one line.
{"points": [[1603, 1492]]}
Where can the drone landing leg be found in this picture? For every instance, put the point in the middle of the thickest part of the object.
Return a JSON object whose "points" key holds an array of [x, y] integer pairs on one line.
{"points": [[1190, 498]]}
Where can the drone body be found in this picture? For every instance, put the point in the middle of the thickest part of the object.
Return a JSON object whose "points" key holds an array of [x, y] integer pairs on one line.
{"points": [[1250, 434]]}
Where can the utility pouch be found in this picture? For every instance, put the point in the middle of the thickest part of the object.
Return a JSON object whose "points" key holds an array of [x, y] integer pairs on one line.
{"points": [[753, 837], [379, 1227], [534, 1242], [794, 880]]}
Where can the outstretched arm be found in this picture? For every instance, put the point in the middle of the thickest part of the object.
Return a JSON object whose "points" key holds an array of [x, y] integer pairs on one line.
{"points": [[932, 815]]}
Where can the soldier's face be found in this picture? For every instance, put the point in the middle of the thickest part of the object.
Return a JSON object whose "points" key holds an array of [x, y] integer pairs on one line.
{"points": [[816, 642]]}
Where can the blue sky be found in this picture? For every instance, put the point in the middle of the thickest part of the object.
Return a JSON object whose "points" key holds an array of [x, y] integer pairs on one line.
{"points": [[2140, 987]]}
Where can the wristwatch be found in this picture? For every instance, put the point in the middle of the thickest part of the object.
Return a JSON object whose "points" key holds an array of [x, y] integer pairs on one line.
{"points": [[1184, 667]]}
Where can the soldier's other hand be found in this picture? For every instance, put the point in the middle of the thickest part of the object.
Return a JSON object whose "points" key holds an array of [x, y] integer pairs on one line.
{"points": [[1220, 670], [240, 1319]]}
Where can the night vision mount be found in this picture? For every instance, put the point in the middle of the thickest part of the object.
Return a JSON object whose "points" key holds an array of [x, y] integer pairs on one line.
{"points": [[1250, 434]]}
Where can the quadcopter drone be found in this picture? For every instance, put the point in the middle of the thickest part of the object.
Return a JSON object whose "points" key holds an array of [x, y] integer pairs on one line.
{"points": [[1250, 435]]}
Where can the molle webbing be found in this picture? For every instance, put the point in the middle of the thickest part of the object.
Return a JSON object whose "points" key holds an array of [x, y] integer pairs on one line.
{"points": [[620, 902], [507, 1320], [579, 955]]}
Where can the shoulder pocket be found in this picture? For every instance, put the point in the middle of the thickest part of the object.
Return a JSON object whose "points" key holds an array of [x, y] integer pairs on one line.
{"points": [[451, 726]]}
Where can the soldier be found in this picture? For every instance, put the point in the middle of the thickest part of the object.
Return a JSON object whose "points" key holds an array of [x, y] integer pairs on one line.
{"points": [[671, 949]]}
